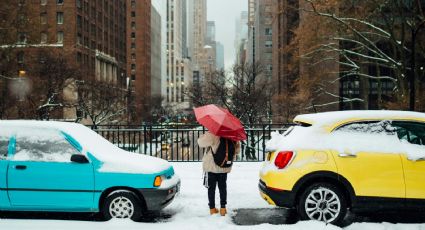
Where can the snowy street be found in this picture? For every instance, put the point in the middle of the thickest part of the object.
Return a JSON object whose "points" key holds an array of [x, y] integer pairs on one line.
{"points": [[190, 209]]}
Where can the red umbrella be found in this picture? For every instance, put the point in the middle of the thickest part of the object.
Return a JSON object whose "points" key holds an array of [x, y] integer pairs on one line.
{"points": [[220, 122]]}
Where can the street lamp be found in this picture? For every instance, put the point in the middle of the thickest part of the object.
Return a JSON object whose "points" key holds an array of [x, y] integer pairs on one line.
{"points": [[19, 86]]}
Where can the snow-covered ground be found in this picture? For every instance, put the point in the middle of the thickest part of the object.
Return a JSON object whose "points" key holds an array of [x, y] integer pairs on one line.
{"points": [[190, 209]]}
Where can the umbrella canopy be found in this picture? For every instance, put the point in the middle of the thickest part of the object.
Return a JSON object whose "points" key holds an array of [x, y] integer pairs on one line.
{"points": [[220, 122]]}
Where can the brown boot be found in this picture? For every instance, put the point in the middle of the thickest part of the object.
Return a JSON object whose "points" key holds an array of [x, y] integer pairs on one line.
{"points": [[223, 211], [213, 211]]}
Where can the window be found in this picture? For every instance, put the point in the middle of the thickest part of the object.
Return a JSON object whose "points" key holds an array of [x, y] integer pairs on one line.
{"points": [[268, 31], [133, 77], [133, 35], [369, 127], [60, 37], [21, 2], [411, 132], [133, 14], [22, 38], [79, 4], [269, 44], [133, 25], [20, 57], [59, 2], [79, 57], [43, 2], [79, 39], [79, 22], [133, 3], [133, 45], [133, 66], [43, 38], [43, 146], [133, 56], [43, 18], [59, 17]]}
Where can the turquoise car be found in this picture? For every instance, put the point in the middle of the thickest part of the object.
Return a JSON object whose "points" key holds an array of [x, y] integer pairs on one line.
{"points": [[67, 167]]}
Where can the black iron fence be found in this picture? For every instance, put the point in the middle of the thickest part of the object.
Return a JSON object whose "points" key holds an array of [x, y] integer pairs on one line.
{"points": [[178, 142]]}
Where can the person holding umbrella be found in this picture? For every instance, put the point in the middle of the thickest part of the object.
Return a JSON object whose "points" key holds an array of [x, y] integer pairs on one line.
{"points": [[222, 144]]}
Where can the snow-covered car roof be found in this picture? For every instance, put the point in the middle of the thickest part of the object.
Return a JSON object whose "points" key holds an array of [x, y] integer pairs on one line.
{"points": [[332, 119]]}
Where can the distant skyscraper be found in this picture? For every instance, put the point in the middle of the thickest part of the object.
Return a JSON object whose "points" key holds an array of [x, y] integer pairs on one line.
{"points": [[156, 51], [197, 26], [161, 7], [210, 32], [263, 36], [241, 37], [179, 70], [220, 55]]}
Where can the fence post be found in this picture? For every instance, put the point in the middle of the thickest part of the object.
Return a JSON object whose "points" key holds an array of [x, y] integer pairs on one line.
{"points": [[145, 145]]}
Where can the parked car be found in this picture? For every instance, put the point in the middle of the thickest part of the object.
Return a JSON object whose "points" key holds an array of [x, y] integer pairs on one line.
{"points": [[67, 167], [359, 160]]}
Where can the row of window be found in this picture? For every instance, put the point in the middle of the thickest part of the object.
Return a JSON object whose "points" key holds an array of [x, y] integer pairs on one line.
{"points": [[44, 2], [59, 18], [22, 37]]}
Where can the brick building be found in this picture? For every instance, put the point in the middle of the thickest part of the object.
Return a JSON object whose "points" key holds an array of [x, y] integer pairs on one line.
{"points": [[139, 54], [107, 40]]}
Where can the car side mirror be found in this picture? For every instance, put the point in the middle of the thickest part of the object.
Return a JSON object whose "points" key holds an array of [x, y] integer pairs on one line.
{"points": [[78, 158]]}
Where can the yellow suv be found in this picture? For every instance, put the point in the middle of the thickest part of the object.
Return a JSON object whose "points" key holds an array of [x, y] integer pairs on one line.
{"points": [[358, 160]]}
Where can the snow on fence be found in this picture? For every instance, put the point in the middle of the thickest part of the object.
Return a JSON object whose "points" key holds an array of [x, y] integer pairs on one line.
{"points": [[178, 142]]}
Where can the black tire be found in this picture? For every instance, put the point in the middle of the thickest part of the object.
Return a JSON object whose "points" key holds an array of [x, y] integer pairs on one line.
{"points": [[327, 203], [122, 204]]}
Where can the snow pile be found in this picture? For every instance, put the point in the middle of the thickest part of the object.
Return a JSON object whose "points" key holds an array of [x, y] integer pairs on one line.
{"points": [[344, 141]]}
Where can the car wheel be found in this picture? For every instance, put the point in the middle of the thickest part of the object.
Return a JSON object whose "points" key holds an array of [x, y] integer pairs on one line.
{"points": [[122, 204], [323, 202]]}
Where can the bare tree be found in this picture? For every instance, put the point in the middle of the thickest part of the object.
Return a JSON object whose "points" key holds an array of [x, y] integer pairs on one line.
{"points": [[245, 92], [373, 42], [54, 70], [102, 102]]}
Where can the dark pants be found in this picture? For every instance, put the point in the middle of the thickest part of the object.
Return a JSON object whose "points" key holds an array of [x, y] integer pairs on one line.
{"points": [[213, 180]]}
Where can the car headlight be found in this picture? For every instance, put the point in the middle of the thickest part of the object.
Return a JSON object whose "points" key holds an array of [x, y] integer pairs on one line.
{"points": [[157, 182]]}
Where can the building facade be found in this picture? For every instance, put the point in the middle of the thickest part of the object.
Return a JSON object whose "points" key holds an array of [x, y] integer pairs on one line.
{"points": [[139, 54], [262, 38], [156, 53], [219, 55], [91, 35], [197, 24], [179, 68]]}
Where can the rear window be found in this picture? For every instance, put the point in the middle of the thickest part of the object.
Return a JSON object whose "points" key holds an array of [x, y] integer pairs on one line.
{"points": [[370, 127]]}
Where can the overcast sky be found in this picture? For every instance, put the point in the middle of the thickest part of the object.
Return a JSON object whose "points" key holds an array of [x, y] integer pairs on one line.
{"points": [[224, 13]]}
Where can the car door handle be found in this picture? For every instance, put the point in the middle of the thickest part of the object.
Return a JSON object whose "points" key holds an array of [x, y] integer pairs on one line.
{"points": [[346, 155], [20, 167]]}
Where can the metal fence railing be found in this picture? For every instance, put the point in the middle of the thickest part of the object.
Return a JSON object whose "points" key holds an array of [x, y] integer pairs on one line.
{"points": [[178, 142]]}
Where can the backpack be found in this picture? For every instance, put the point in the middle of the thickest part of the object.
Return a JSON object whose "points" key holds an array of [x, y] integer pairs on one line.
{"points": [[225, 153]]}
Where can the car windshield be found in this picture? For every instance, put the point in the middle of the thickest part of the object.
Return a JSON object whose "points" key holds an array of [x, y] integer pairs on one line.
{"points": [[92, 142]]}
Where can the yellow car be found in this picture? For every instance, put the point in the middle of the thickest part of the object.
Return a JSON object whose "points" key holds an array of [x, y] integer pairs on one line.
{"points": [[358, 160]]}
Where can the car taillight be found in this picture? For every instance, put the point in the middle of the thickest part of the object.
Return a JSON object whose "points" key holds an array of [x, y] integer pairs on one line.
{"points": [[283, 158]]}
